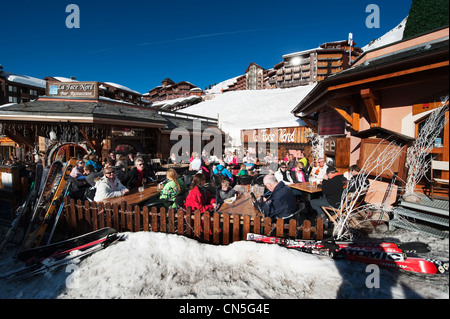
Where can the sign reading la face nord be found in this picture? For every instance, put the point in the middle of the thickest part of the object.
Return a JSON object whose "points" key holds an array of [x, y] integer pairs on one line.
{"points": [[73, 89]]}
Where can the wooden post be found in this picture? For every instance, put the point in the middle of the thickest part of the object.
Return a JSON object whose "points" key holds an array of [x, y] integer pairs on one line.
{"points": [[101, 215], [197, 224], [108, 215], [162, 220], [94, 210], [171, 221], [188, 222], [154, 219], [226, 229], [292, 228], [306, 233], [180, 215], [116, 217], [319, 229], [236, 226], [280, 227], [246, 227], [87, 216], [80, 217], [267, 225], [129, 217], [257, 225], [216, 228], [145, 226], [73, 217], [123, 209], [206, 226], [137, 218]]}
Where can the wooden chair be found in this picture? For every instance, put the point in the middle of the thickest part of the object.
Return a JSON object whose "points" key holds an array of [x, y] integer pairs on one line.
{"points": [[438, 166], [353, 201]]}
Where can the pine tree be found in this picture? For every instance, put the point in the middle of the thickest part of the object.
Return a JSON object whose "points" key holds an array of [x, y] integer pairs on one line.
{"points": [[426, 15]]}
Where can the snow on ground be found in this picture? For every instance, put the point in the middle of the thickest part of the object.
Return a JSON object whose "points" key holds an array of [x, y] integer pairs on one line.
{"points": [[165, 266], [250, 109]]}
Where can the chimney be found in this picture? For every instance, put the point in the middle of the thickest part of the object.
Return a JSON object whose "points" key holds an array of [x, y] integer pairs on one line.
{"points": [[73, 78]]}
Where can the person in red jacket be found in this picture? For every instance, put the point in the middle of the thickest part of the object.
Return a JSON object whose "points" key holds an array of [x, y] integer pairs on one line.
{"points": [[198, 197]]}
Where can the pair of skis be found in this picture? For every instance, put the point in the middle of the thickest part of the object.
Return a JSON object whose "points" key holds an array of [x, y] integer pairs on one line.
{"points": [[46, 208], [383, 254], [46, 258]]}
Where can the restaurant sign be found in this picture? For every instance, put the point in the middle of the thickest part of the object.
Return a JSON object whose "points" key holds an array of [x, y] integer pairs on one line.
{"points": [[275, 135], [73, 89]]}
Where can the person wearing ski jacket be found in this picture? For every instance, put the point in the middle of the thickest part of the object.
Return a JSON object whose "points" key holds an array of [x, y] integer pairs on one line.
{"points": [[332, 189], [221, 169], [109, 186], [137, 175], [198, 197], [281, 203], [172, 188]]}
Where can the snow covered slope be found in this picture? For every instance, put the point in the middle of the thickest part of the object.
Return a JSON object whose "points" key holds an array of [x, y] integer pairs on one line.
{"points": [[392, 36], [250, 109]]}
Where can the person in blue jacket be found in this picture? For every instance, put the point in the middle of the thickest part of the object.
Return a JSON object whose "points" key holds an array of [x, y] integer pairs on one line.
{"points": [[281, 203], [221, 169]]}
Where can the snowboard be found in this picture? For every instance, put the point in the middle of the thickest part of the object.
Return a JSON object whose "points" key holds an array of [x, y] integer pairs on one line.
{"points": [[46, 206], [384, 254]]}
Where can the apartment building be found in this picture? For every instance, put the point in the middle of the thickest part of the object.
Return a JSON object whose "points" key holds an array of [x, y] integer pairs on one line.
{"points": [[299, 68], [314, 65], [169, 90], [17, 88]]}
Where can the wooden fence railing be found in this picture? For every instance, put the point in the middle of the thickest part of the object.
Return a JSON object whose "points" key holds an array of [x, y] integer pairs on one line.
{"points": [[212, 228]]}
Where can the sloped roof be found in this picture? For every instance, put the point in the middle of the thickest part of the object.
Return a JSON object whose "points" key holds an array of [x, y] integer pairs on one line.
{"points": [[81, 112]]}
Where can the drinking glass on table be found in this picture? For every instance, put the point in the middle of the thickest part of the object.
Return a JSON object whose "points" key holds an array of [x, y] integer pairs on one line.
{"points": [[141, 190], [312, 180]]}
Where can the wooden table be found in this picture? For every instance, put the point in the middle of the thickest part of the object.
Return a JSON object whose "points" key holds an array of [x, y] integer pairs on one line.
{"points": [[133, 197], [307, 189], [175, 166], [243, 205]]}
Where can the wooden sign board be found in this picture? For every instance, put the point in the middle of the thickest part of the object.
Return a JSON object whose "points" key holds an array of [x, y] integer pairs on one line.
{"points": [[284, 135], [88, 90]]}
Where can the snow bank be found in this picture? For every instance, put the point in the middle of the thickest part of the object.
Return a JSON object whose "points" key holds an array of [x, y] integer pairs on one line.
{"points": [[162, 266]]}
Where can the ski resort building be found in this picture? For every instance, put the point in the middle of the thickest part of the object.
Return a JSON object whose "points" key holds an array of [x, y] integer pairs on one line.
{"points": [[18, 88], [73, 119], [299, 68], [386, 96]]}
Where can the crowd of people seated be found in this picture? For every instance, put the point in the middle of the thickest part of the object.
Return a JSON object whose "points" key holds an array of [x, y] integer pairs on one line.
{"points": [[205, 184]]}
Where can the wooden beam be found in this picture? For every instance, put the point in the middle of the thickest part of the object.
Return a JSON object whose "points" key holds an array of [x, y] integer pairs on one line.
{"points": [[95, 144], [352, 119], [310, 124], [423, 107], [372, 107], [390, 75], [20, 139]]}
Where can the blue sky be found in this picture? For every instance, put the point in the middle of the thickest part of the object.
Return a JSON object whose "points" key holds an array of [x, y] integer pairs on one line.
{"points": [[139, 43]]}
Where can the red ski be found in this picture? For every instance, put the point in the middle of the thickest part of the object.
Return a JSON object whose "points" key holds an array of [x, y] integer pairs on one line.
{"points": [[383, 254]]}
